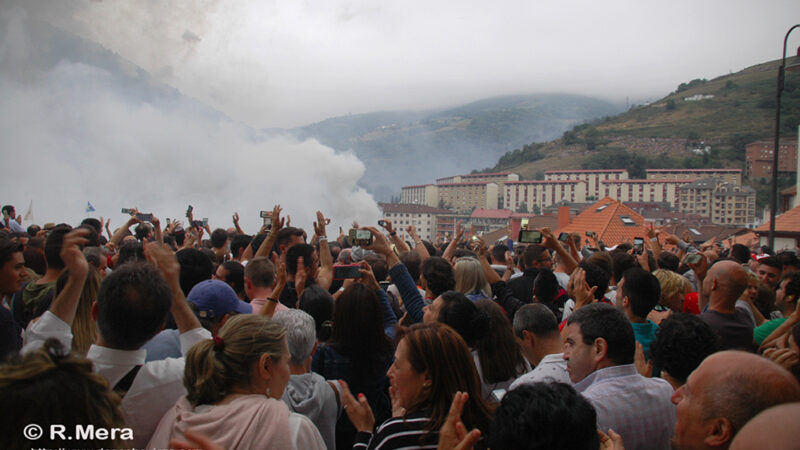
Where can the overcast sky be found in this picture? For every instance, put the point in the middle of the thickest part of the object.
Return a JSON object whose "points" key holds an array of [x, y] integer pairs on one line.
{"points": [[74, 130], [289, 63]]}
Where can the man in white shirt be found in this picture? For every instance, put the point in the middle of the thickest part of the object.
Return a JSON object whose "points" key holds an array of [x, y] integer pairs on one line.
{"points": [[132, 305], [11, 220], [536, 329]]}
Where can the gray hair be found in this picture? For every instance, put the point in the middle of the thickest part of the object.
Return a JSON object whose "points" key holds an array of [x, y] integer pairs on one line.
{"points": [[301, 334], [535, 318]]}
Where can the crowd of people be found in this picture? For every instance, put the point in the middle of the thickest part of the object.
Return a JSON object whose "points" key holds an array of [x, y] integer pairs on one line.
{"points": [[188, 337]]}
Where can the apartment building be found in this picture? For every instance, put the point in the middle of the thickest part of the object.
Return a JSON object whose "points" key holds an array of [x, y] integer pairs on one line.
{"points": [[498, 178], [464, 197], [759, 157], [662, 191], [725, 203], [421, 194], [543, 193], [593, 178], [421, 216], [727, 175], [488, 220]]}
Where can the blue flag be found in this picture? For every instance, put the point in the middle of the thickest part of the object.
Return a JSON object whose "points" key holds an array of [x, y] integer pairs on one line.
{"points": [[89, 207]]}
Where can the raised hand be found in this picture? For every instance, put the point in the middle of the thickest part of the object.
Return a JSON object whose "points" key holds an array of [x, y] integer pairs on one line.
{"points": [[162, 257], [368, 277], [277, 222], [71, 252], [387, 224], [379, 242], [453, 435], [579, 289], [358, 411], [319, 225]]}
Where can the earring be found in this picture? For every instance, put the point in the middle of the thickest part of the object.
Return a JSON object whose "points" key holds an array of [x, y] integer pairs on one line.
{"points": [[267, 391]]}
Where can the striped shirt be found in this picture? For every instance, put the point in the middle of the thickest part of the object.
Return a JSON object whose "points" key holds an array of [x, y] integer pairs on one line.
{"points": [[398, 433], [638, 408]]}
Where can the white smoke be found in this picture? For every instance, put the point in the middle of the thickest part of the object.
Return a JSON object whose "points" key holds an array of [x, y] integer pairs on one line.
{"points": [[69, 134]]}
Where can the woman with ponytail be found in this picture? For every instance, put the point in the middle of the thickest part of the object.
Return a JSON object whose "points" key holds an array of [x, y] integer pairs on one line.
{"points": [[234, 385]]}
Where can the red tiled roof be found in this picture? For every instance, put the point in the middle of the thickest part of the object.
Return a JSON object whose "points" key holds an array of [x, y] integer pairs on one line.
{"points": [[474, 183], [691, 170], [548, 221], [512, 183], [744, 239], [608, 223], [485, 174], [481, 213], [788, 222], [646, 181], [493, 236], [586, 171], [410, 208]]}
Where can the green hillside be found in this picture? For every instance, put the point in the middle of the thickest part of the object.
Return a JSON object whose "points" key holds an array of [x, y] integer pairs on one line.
{"points": [[721, 115]]}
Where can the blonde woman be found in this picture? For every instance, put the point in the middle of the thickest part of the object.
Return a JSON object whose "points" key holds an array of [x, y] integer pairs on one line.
{"points": [[470, 280], [84, 328], [234, 384]]}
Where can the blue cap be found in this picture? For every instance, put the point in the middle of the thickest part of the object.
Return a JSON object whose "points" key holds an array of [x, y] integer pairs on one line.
{"points": [[214, 298]]}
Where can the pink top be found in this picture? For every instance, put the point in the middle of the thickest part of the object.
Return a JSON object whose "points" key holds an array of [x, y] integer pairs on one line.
{"points": [[250, 421]]}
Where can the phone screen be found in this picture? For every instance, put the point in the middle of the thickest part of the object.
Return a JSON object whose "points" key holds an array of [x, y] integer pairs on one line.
{"points": [[348, 271], [530, 236], [694, 258]]}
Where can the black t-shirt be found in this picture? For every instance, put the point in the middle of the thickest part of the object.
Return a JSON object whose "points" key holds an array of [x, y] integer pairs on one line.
{"points": [[734, 330]]}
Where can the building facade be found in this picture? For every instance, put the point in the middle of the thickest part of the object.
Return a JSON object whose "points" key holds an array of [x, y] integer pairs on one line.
{"points": [[661, 191], [593, 178], [498, 178], [759, 157], [725, 203], [542, 194], [464, 197], [421, 194], [488, 220], [423, 217], [727, 175]]}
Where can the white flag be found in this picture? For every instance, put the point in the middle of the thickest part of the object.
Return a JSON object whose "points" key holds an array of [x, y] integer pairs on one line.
{"points": [[29, 214]]}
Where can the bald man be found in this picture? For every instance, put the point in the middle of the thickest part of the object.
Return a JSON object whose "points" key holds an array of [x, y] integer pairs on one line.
{"points": [[727, 390], [723, 284], [773, 428]]}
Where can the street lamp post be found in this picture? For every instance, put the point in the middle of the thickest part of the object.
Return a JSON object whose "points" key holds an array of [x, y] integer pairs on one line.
{"points": [[774, 194]]}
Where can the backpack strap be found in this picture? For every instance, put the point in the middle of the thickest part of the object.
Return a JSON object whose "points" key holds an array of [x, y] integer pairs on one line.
{"points": [[124, 384]]}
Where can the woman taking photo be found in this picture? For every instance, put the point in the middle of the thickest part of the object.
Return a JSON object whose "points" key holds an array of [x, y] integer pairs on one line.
{"points": [[432, 363], [360, 348], [234, 385]]}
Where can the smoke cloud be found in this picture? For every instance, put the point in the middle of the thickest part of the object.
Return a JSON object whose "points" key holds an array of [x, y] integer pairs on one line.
{"points": [[78, 124]]}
